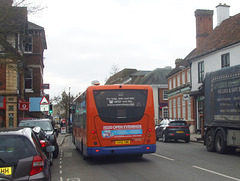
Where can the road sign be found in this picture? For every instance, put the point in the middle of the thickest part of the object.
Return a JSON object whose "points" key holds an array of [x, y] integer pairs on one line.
{"points": [[44, 107], [44, 101], [24, 106]]}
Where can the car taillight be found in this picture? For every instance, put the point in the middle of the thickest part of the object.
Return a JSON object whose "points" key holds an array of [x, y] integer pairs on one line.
{"points": [[37, 165], [43, 143]]}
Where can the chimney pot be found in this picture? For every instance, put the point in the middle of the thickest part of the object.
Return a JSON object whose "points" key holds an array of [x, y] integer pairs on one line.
{"points": [[222, 13]]}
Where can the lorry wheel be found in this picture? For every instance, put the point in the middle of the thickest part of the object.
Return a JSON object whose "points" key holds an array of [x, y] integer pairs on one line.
{"points": [[220, 144], [210, 141]]}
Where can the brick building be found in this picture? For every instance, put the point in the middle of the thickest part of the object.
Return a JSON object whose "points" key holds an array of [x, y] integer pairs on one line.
{"points": [[21, 63]]}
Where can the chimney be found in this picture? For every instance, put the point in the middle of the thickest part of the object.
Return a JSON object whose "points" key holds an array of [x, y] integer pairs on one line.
{"points": [[4, 3], [204, 25], [222, 13]]}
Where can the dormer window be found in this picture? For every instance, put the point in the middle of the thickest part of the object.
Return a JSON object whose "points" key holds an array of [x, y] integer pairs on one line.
{"points": [[28, 45]]}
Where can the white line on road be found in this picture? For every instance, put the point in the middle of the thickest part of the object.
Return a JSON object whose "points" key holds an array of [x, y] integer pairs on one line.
{"points": [[162, 156], [210, 171], [61, 179]]}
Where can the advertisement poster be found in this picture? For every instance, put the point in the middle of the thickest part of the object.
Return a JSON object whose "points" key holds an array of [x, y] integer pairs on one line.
{"points": [[122, 131]]}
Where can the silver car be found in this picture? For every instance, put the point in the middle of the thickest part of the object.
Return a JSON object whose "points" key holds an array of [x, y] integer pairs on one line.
{"points": [[21, 155]]}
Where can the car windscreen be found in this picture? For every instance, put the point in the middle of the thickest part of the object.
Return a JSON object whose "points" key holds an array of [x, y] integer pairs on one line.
{"points": [[14, 148], [177, 124], [45, 125], [120, 106]]}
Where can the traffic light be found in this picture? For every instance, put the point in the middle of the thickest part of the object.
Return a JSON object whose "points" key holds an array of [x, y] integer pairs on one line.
{"points": [[50, 108]]}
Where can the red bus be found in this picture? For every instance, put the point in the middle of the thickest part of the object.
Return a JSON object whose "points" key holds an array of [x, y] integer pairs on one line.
{"points": [[114, 120]]}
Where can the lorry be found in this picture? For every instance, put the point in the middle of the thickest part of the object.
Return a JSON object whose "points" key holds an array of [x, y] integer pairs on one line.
{"points": [[222, 110]]}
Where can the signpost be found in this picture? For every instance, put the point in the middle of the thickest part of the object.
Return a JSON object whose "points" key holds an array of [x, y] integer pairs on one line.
{"points": [[44, 105]]}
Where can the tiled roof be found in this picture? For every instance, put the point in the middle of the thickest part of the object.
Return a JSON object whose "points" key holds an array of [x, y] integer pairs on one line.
{"points": [[121, 76], [156, 77], [224, 35]]}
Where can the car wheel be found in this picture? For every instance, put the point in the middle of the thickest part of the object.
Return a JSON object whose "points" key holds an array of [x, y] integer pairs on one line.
{"points": [[220, 143], [210, 141], [164, 138], [51, 159], [56, 151], [187, 140]]}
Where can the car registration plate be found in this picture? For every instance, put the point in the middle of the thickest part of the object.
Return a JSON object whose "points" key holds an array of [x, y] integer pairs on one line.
{"points": [[6, 170], [122, 142], [180, 131]]}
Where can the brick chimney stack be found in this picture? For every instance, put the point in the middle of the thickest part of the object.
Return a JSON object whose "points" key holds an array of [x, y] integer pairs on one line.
{"points": [[222, 13], [204, 25]]}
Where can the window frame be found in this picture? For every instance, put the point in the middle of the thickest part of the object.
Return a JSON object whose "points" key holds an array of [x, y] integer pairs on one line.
{"points": [[200, 71], [225, 60]]}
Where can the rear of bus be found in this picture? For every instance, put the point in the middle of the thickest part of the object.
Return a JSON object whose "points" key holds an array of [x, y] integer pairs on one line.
{"points": [[120, 120]]}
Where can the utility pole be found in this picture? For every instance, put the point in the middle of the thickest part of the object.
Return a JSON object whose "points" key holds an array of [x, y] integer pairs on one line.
{"points": [[68, 124]]}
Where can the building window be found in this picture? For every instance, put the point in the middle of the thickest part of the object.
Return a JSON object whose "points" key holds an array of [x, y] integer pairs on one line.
{"points": [[170, 84], [174, 109], [170, 108], [29, 79], [165, 112], [179, 107], [178, 80], [174, 82], [10, 108], [28, 45], [200, 72], [165, 95], [189, 109], [183, 109], [183, 78], [225, 59], [188, 76]]}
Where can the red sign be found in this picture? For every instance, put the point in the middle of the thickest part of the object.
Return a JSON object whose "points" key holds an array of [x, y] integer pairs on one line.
{"points": [[2, 102], [23, 106], [44, 101]]}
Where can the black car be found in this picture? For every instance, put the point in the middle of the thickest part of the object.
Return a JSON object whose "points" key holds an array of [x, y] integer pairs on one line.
{"points": [[45, 142], [46, 125], [173, 130], [21, 155]]}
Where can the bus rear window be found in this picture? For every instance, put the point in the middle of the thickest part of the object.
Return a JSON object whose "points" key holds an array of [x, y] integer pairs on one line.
{"points": [[120, 106]]}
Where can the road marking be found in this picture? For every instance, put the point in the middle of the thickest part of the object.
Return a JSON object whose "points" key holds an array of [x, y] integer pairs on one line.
{"points": [[210, 171], [162, 157], [61, 179]]}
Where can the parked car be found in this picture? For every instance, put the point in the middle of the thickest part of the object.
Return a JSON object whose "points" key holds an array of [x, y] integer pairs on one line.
{"points": [[44, 143], [21, 155], [170, 129], [46, 125], [160, 127]]}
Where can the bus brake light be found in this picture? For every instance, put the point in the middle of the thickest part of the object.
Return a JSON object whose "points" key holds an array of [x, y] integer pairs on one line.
{"points": [[93, 131], [149, 130]]}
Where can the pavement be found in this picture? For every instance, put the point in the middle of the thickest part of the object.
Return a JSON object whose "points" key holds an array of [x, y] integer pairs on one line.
{"points": [[197, 138]]}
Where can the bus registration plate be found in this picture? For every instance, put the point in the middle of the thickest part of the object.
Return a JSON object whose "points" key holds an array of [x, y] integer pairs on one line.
{"points": [[122, 142], [6, 170]]}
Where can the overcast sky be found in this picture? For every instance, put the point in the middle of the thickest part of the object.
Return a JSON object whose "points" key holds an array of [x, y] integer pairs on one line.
{"points": [[86, 38]]}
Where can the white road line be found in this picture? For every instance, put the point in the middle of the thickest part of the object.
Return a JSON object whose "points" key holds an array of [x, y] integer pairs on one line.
{"points": [[60, 172], [61, 179], [162, 157], [210, 171]]}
